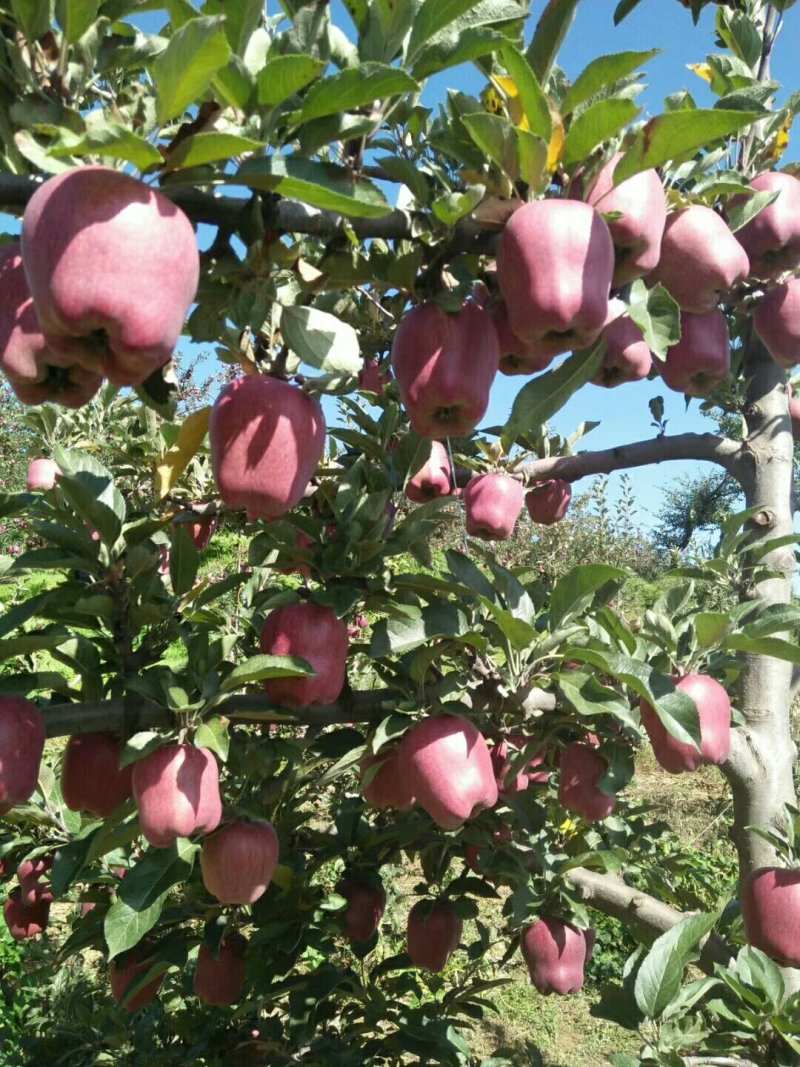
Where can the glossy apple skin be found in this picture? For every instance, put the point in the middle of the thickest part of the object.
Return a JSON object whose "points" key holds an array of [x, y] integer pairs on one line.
{"points": [[445, 365], [239, 861], [555, 261], [642, 204], [556, 953], [493, 504], [516, 357], [701, 260], [366, 904], [777, 321], [21, 747], [446, 763], [627, 357], [91, 777], [772, 238], [432, 938], [581, 766], [770, 904], [42, 473], [219, 981], [388, 788], [176, 789], [312, 632], [547, 503], [123, 970], [267, 438], [34, 372], [701, 360], [26, 920], [104, 252], [434, 478], [373, 378], [714, 714]]}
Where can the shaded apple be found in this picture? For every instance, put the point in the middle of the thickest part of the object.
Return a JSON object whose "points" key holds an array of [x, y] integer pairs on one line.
{"points": [[444, 365], [434, 478], [26, 920], [176, 789], [770, 903], [555, 261], [202, 531], [504, 753], [556, 953], [627, 357], [493, 502], [547, 502], [701, 260], [366, 902], [373, 378], [446, 763], [21, 747], [581, 766], [219, 979], [267, 438], [238, 861], [31, 870], [388, 787], [91, 777], [432, 934], [113, 268], [777, 321], [297, 565], [516, 357], [772, 238], [472, 852], [701, 360], [714, 715], [312, 632], [42, 473], [126, 970]]}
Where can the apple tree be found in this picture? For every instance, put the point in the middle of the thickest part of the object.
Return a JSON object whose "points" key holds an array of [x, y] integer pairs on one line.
{"points": [[281, 703]]}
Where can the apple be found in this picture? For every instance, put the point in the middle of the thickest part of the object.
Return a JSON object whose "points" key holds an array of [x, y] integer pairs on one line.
{"points": [[366, 902], [627, 357], [32, 870], [555, 261], [238, 862], [714, 714], [372, 378], [219, 979], [25, 920], [113, 268], [267, 438], [701, 260], [42, 473], [21, 747], [772, 238], [433, 933], [581, 766], [642, 205], [516, 357], [701, 360], [312, 632], [472, 852], [547, 502], [770, 904], [777, 321], [556, 953], [446, 763], [506, 751], [493, 502], [176, 789], [124, 971], [202, 531], [445, 365], [91, 777], [34, 372], [388, 788], [298, 566], [434, 478]]}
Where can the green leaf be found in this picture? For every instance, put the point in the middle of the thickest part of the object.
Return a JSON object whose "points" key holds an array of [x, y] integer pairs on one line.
{"points": [[394, 637], [214, 736], [156, 873], [201, 148], [354, 88], [112, 141], [551, 30], [125, 927], [184, 560], [574, 591], [591, 698], [183, 71], [35, 16], [595, 125], [763, 646], [661, 974], [657, 315], [738, 215], [773, 619], [533, 100], [433, 16], [257, 668], [450, 207], [495, 136], [321, 340], [468, 574], [522, 635], [70, 860], [75, 17], [89, 487], [322, 185], [711, 627], [283, 76], [139, 746], [603, 71], [547, 393], [470, 44]]}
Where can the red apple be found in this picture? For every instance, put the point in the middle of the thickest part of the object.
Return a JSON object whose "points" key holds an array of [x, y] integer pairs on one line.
{"points": [[627, 357], [772, 238], [581, 766], [493, 502], [32, 892], [388, 788], [298, 566], [701, 360], [701, 260], [366, 903], [312, 632], [25, 920], [176, 789], [238, 862], [547, 502], [32, 870], [714, 713], [434, 478], [445, 365], [556, 953], [219, 980], [21, 747], [641, 203], [433, 933], [472, 852], [267, 438], [770, 906], [124, 971], [42, 473], [506, 751], [777, 321], [554, 265], [113, 268], [446, 763], [91, 777], [516, 357], [202, 531], [372, 378]]}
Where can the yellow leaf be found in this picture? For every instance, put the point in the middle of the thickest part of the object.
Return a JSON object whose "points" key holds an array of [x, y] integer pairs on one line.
{"points": [[781, 141], [492, 100], [174, 461], [702, 70], [557, 139]]}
